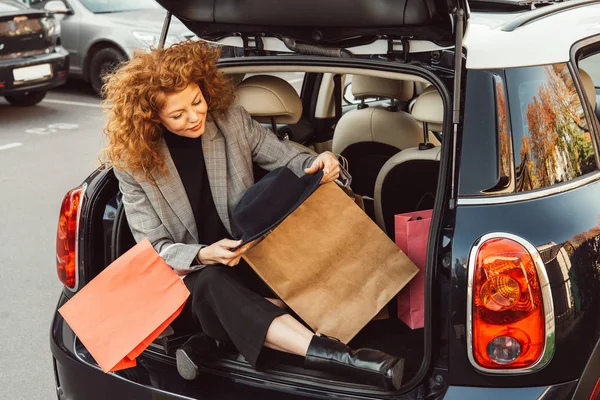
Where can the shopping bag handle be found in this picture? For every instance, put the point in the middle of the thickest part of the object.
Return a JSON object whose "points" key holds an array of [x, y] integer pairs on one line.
{"points": [[418, 206]]}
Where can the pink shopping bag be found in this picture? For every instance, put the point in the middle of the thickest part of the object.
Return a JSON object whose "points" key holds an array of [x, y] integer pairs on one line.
{"points": [[412, 233]]}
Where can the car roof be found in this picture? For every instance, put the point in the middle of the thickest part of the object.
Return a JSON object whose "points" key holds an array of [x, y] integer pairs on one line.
{"points": [[505, 40]]}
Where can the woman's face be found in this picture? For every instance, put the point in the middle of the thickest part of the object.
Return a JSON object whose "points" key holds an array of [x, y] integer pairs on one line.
{"points": [[184, 113]]}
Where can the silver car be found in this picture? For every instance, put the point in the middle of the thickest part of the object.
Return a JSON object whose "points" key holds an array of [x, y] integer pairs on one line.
{"points": [[100, 33]]}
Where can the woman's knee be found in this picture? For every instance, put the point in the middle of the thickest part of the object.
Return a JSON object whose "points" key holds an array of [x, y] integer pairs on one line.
{"points": [[210, 276]]}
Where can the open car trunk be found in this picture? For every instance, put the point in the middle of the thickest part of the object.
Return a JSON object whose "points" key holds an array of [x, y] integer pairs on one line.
{"points": [[390, 335], [319, 25]]}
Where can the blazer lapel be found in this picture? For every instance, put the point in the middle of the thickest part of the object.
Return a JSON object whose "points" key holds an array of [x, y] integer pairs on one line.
{"points": [[172, 189], [213, 146]]}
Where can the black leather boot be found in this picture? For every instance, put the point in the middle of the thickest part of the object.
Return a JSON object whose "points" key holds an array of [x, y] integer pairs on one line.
{"points": [[367, 365], [191, 354]]}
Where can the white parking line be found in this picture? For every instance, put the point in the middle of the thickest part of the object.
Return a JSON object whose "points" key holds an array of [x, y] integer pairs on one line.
{"points": [[10, 146], [72, 103]]}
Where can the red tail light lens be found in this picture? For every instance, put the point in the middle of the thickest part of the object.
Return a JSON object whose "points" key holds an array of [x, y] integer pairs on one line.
{"points": [[66, 238], [596, 392], [510, 305]]}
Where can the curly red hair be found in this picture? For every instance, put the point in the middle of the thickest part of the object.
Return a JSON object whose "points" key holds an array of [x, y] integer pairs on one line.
{"points": [[135, 92]]}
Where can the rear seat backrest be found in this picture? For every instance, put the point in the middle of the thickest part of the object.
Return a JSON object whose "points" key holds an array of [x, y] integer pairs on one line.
{"points": [[368, 137], [408, 181]]}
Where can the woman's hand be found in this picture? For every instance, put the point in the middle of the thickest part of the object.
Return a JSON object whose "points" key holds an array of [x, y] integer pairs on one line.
{"points": [[220, 253], [330, 165]]}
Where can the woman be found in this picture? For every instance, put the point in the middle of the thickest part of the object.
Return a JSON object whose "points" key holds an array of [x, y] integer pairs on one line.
{"points": [[183, 156]]}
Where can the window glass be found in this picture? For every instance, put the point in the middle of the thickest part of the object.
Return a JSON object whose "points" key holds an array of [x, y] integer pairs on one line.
{"points": [[9, 7], [551, 138], [113, 6], [591, 65], [39, 4]]}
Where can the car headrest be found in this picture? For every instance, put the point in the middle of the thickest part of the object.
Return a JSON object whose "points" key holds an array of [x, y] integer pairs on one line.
{"points": [[266, 96], [429, 108], [371, 86], [588, 86]]}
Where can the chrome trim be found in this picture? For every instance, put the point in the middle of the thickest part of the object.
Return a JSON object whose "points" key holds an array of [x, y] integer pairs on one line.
{"points": [[588, 110], [546, 298], [530, 195], [77, 252], [510, 174]]}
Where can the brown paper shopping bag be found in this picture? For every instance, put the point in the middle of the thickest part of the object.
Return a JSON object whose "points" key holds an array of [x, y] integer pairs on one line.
{"points": [[121, 311], [331, 264]]}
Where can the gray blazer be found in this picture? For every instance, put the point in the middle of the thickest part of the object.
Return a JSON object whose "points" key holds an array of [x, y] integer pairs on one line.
{"points": [[163, 213]]}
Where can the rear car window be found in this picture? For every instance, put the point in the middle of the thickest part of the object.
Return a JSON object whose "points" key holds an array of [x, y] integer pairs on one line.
{"points": [[9, 7], [551, 136], [591, 65]]}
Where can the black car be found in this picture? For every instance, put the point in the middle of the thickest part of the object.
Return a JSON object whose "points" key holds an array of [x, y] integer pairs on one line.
{"points": [[501, 141], [31, 57]]}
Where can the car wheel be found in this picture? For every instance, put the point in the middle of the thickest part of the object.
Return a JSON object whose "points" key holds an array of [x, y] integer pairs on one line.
{"points": [[102, 62], [26, 99]]}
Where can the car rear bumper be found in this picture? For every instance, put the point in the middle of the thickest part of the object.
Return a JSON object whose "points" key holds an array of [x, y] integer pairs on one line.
{"points": [[78, 378], [59, 64], [561, 391]]}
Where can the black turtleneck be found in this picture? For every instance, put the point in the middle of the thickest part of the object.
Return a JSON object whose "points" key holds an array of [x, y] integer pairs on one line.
{"points": [[189, 160]]}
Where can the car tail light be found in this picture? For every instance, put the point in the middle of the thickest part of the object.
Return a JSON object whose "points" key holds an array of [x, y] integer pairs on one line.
{"points": [[66, 237], [511, 316], [596, 392]]}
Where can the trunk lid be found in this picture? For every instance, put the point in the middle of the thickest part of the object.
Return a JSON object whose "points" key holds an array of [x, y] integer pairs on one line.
{"points": [[22, 30], [338, 23]]}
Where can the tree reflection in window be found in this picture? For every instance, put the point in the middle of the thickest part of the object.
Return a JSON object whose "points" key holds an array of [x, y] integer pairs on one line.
{"points": [[555, 144], [504, 140]]}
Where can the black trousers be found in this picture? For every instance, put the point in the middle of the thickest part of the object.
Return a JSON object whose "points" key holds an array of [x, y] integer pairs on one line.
{"points": [[228, 304]]}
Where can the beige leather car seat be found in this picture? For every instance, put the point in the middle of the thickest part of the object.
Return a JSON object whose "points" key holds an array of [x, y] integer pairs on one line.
{"points": [[368, 137], [267, 97], [271, 100], [408, 181], [588, 87]]}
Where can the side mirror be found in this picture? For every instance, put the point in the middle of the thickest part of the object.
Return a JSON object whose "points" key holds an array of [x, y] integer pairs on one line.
{"points": [[57, 7]]}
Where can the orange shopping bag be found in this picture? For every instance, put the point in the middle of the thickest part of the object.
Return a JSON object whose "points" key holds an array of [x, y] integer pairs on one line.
{"points": [[121, 311]]}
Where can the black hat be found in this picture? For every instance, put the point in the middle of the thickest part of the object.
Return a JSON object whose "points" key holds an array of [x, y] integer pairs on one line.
{"points": [[269, 201]]}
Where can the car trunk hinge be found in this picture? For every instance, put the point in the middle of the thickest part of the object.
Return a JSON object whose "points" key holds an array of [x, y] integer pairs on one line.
{"points": [[392, 52], [253, 46], [459, 16], [165, 30]]}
